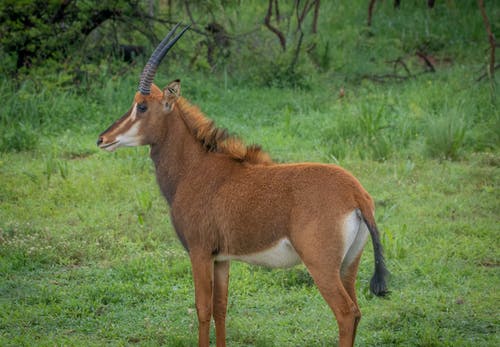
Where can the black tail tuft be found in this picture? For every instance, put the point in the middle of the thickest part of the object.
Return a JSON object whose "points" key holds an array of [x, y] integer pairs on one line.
{"points": [[378, 285]]}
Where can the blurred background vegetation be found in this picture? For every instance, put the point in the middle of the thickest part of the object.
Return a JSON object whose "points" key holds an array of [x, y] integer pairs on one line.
{"points": [[66, 57], [264, 42]]}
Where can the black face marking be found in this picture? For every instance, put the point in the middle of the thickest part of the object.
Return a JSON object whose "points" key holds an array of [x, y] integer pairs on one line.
{"points": [[142, 107]]}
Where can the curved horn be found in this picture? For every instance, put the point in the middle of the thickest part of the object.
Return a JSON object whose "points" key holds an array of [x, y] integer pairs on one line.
{"points": [[159, 53]]}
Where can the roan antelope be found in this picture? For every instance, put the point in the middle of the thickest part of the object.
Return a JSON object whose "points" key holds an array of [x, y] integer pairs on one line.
{"points": [[232, 202]]}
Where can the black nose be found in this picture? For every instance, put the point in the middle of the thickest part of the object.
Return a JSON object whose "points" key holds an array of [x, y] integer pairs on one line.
{"points": [[99, 140]]}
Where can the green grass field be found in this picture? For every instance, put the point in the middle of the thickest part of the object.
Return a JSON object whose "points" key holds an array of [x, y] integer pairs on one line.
{"points": [[88, 256]]}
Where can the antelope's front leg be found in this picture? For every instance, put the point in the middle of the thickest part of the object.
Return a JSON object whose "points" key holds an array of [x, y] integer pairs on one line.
{"points": [[203, 268], [221, 282]]}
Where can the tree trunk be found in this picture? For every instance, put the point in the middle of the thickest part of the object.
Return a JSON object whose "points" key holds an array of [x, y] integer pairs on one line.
{"points": [[267, 22], [370, 12], [491, 37]]}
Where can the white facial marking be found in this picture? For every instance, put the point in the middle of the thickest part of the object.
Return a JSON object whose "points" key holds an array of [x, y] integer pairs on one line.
{"points": [[134, 112], [131, 136], [281, 255]]}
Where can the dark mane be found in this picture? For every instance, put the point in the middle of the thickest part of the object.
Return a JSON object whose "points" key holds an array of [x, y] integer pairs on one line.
{"points": [[218, 140]]}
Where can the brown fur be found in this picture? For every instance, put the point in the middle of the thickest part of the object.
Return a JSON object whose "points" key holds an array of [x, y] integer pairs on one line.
{"points": [[212, 138], [228, 199], [218, 140]]}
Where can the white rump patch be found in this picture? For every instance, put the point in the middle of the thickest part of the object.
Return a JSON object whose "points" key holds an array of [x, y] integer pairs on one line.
{"points": [[280, 255], [355, 235]]}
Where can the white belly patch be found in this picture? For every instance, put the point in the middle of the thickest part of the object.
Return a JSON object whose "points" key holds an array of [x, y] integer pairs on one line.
{"points": [[280, 255]]}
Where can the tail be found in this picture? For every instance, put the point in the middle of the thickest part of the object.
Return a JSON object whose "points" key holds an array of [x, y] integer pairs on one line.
{"points": [[378, 284]]}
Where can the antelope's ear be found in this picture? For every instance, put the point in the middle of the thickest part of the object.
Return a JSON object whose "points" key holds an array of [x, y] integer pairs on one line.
{"points": [[171, 93]]}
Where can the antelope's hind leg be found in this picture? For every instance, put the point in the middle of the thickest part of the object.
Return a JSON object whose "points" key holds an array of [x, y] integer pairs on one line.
{"points": [[348, 277], [323, 260], [359, 234], [221, 283]]}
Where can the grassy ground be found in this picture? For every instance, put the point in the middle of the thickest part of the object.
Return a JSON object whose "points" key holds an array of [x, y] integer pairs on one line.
{"points": [[88, 256]]}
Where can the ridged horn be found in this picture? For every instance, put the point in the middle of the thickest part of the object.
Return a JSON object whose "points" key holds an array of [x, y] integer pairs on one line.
{"points": [[149, 71]]}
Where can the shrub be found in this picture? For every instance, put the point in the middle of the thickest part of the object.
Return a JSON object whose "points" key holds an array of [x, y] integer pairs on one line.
{"points": [[18, 138], [445, 138]]}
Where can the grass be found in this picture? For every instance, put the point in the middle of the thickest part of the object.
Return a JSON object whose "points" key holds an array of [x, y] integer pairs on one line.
{"points": [[87, 253], [84, 270], [88, 257]]}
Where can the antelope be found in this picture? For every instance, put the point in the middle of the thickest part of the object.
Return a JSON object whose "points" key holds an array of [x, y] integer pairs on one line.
{"points": [[229, 201]]}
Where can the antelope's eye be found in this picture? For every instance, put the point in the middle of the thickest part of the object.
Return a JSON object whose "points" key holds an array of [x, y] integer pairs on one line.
{"points": [[142, 107]]}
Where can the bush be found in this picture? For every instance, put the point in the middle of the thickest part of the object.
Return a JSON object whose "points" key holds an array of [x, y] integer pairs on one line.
{"points": [[36, 31], [366, 132], [445, 138], [18, 138]]}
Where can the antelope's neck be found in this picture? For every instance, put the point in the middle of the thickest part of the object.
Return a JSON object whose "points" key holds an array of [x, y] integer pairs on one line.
{"points": [[175, 155]]}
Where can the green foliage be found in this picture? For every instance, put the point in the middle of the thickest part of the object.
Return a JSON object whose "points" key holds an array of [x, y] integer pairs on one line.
{"points": [[144, 203], [74, 38], [445, 138], [363, 133], [39, 32], [87, 252], [279, 72], [18, 137]]}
